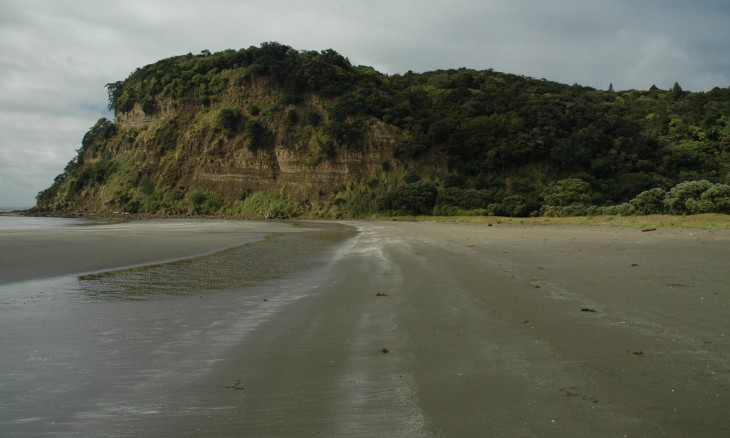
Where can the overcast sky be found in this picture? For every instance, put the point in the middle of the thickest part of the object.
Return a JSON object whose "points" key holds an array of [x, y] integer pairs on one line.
{"points": [[57, 55]]}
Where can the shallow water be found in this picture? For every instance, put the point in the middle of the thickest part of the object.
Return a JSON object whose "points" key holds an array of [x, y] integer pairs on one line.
{"points": [[97, 354], [276, 257], [36, 223]]}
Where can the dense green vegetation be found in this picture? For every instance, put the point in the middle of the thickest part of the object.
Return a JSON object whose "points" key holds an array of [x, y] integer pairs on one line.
{"points": [[512, 145]]}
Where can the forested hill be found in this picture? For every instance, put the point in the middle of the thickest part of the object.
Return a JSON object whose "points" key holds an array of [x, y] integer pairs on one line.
{"points": [[275, 131]]}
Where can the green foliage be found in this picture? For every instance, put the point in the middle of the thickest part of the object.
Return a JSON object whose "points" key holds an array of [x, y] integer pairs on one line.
{"points": [[292, 117], [320, 148], [684, 197], [450, 210], [649, 202], [92, 175], [694, 197], [715, 199], [95, 137], [346, 133], [411, 177], [411, 199], [229, 121], [464, 199], [203, 201], [409, 147], [255, 132], [624, 209], [313, 118], [114, 91], [266, 205], [566, 192], [516, 206]]}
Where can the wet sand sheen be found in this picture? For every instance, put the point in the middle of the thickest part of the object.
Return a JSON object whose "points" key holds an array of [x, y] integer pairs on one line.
{"points": [[402, 330]]}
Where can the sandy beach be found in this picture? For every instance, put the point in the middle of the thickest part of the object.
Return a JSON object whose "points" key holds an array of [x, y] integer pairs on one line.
{"points": [[225, 328]]}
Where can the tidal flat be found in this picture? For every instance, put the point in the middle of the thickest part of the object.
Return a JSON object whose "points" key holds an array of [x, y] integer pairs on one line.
{"points": [[232, 328]]}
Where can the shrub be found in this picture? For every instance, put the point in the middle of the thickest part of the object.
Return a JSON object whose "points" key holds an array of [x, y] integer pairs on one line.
{"points": [[516, 206], [346, 133], [566, 192], [625, 209], [228, 121], [255, 133], [411, 177], [415, 198], [446, 210], [566, 211], [465, 199], [131, 207], [103, 130], [313, 118], [649, 202], [203, 202], [715, 199], [684, 197], [266, 205], [292, 117], [408, 148]]}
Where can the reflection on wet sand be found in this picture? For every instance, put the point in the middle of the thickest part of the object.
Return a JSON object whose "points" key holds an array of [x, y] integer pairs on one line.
{"points": [[277, 256]]}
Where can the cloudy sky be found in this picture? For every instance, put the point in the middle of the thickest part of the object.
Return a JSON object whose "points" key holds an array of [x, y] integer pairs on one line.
{"points": [[57, 55]]}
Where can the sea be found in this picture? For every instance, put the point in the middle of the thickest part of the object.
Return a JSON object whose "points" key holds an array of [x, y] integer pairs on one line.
{"points": [[32, 223]]}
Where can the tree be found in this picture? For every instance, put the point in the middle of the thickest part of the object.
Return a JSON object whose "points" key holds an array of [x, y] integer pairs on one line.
{"points": [[255, 132], [566, 192], [228, 121], [114, 90], [203, 202], [677, 91], [103, 130]]}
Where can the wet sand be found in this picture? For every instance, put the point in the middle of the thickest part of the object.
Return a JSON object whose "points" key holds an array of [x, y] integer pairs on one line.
{"points": [[85, 247], [404, 329]]}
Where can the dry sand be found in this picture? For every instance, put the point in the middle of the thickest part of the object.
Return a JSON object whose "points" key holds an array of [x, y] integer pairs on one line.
{"points": [[405, 329]]}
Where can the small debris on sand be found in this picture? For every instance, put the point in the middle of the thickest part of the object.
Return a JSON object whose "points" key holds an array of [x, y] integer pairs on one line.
{"points": [[588, 309], [385, 350], [381, 294], [645, 230], [638, 353], [236, 385]]}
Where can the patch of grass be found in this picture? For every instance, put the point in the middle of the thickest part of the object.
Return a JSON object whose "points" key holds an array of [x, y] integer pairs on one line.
{"points": [[265, 205], [706, 221]]}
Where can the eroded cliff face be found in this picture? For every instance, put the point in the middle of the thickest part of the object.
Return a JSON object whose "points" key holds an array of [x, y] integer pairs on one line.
{"points": [[243, 144], [290, 170]]}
